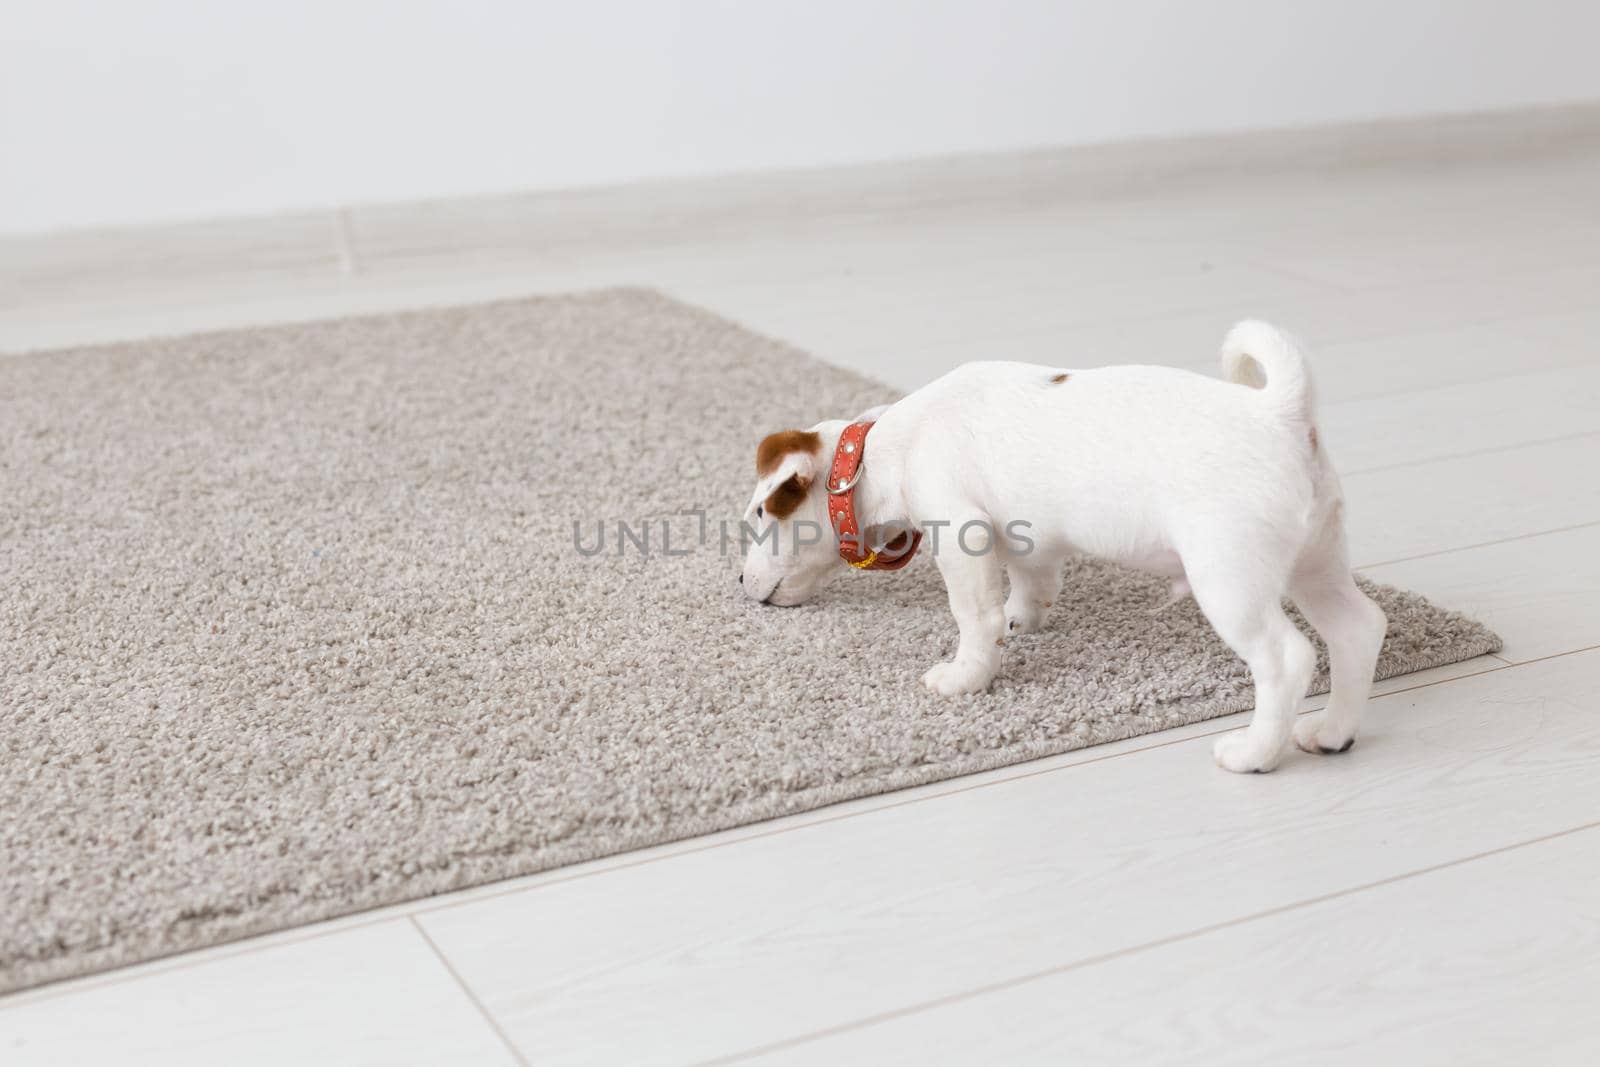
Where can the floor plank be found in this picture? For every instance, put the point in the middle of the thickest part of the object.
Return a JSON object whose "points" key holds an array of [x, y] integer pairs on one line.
{"points": [[1541, 594], [1579, 330], [1396, 365], [715, 952], [1462, 420], [372, 995], [1403, 512], [1407, 972]]}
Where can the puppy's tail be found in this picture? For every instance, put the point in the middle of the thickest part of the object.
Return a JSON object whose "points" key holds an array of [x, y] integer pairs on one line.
{"points": [[1261, 356]]}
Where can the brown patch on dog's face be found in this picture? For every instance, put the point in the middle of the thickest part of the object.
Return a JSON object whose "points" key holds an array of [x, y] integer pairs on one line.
{"points": [[773, 447], [1058, 379], [787, 498]]}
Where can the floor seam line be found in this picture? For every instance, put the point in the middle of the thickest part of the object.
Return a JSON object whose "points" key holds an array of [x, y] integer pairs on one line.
{"points": [[1353, 399], [1471, 453], [1106, 957], [1553, 655], [488, 1017], [1477, 452], [1480, 544]]}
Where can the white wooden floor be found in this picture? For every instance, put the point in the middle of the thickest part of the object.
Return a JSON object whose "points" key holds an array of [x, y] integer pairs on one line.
{"points": [[1434, 897]]}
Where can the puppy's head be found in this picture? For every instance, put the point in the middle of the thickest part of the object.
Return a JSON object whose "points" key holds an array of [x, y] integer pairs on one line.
{"points": [[794, 548]]}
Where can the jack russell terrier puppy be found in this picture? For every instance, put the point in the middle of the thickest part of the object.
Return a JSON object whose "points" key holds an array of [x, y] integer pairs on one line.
{"points": [[1220, 485]]}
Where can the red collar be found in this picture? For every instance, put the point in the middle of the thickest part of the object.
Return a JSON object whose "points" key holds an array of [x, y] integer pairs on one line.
{"points": [[841, 486]]}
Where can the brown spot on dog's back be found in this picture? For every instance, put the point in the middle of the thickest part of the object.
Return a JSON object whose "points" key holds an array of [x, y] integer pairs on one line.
{"points": [[782, 501], [774, 446], [1058, 379]]}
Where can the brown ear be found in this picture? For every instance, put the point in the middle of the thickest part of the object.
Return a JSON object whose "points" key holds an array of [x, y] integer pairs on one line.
{"points": [[774, 446], [784, 500]]}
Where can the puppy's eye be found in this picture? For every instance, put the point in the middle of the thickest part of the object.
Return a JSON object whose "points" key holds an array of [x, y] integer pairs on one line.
{"points": [[760, 511]]}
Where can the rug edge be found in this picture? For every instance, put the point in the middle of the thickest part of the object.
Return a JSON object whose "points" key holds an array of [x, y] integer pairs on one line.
{"points": [[35, 976]]}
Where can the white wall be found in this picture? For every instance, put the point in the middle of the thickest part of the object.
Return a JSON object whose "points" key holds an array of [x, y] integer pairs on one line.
{"points": [[115, 111]]}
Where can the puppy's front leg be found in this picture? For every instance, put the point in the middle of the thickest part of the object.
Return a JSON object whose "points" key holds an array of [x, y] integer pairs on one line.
{"points": [[973, 582]]}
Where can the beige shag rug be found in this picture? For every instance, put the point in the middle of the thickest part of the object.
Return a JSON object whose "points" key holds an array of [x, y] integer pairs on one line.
{"points": [[295, 624]]}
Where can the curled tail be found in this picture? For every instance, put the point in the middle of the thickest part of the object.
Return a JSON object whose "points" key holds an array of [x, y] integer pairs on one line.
{"points": [[1263, 357]]}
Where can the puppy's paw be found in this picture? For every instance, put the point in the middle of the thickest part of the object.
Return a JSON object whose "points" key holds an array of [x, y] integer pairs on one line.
{"points": [[1313, 735], [1024, 613], [1024, 617], [954, 678], [1235, 752]]}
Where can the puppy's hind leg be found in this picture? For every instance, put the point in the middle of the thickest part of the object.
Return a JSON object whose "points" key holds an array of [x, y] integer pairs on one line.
{"points": [[1246, 613], [1035, 584], [1353, 627]]}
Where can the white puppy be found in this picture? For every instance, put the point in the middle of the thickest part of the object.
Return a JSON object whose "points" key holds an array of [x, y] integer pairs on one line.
{"points": [[1221, 485]]}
